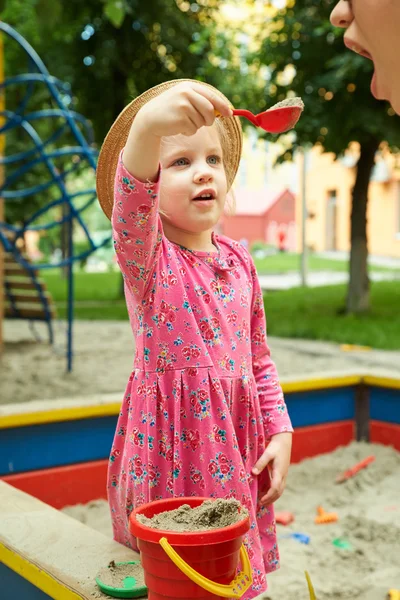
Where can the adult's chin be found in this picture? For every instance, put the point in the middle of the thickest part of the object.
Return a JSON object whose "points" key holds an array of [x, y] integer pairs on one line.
{"points": [[396, 103]]}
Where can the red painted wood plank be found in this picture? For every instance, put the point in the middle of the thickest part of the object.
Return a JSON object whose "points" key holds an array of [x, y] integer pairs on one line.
{"points": [[384, 433], [64, 486], [320, 439]]}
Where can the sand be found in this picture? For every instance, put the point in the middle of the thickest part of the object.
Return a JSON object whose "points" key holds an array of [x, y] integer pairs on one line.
{"points": [[104, 358], [368, 507], [212, 514], [289, 102]]}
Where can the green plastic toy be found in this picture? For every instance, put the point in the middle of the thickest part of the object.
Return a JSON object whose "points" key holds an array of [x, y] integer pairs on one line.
{"points": [[342, 543], [130, 589]]}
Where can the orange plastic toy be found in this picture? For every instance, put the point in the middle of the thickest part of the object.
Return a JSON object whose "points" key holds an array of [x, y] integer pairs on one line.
{"points": [[354, 470], [324, 517], [284, 517]]}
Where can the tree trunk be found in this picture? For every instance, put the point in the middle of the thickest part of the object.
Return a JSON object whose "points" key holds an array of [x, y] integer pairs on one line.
{"points": [[358, 294]]}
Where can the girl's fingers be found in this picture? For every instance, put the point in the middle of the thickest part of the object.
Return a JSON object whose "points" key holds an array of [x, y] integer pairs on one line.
{"points": [[274, 492], [204, 109], [262, 462], [218, 103], [194, 123]]}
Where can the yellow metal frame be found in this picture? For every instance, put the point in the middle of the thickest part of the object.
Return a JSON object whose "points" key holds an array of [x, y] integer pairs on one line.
{"points": [[36, 576]]}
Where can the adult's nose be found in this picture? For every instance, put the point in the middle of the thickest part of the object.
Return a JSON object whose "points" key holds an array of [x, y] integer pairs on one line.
{"points": [[342, 15]]}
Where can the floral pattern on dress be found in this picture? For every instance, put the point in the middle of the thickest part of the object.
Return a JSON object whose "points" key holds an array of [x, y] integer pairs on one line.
{"points": [[203, 398]]}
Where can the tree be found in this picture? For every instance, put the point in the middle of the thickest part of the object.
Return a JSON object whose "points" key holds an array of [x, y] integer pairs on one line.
{"points": [[306, 56], [108, 51]]}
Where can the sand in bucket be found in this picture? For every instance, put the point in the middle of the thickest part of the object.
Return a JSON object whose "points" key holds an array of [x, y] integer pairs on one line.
{"points": [[206, 534]]}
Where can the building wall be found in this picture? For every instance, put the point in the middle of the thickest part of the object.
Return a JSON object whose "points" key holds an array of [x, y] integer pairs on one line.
{"points": [[324, 176], [256, 228], [282, 216], [252, 228]]}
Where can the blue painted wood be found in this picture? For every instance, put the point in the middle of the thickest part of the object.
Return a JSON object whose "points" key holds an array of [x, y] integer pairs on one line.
{"points": [[385, 405], [15, 587], [69, 442], [55, 444], [321, 406]]}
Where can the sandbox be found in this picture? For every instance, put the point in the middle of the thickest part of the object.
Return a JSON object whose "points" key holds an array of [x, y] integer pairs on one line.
{"points": [[59, 454]]}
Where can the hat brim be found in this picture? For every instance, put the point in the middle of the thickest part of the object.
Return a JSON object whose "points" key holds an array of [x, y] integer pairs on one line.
{"points": [[118, 134]]}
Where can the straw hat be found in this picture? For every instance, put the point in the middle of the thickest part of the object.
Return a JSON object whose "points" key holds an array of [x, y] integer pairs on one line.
{"points": [[117, 136]]}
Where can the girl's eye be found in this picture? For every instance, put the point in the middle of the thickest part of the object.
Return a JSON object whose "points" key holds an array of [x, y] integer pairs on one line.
{"points": [[214, 160], [181, 162]]}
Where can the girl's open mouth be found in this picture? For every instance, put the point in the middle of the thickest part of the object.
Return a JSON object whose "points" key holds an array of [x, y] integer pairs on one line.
{"points": [[205, 196]]}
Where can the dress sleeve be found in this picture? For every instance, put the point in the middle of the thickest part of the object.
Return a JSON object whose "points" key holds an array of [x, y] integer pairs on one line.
{"points": [[273, 407], [137, 229]]}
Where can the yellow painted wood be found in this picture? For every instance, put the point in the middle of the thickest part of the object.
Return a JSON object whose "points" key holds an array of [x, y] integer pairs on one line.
{"points": [[36, 576], [322, 383], [56, 416], [38, 417], [385, 382]]}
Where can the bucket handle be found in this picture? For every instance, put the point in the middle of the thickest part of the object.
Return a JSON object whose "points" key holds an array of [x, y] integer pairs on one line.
{"points": [[235, 589]]}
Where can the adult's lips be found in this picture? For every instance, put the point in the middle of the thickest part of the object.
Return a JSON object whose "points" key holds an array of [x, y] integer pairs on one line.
{"points": [[352, 45], [355, 47]]}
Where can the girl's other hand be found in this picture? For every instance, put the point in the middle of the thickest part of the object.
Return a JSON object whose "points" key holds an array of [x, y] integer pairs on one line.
{"points": [[182, 109], [277, 458]]}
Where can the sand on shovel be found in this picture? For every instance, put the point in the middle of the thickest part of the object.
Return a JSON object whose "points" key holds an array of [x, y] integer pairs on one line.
{"points": [[288, 102], [211, 514]]}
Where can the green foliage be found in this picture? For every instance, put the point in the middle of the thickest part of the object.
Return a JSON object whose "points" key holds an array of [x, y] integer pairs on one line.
{"points": [[108, 50], [333, 81], [114, 10]]}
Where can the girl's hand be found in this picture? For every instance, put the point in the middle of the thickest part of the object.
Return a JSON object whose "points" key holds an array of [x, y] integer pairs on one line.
{"points": [[184, 108], [277, 458]]}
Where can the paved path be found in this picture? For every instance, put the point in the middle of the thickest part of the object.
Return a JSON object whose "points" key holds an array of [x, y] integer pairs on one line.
{"points": [[379, 261], [286, 281]]}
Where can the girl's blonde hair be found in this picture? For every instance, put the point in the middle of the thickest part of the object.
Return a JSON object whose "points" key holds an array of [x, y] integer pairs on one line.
{"points": [[230, 204]]}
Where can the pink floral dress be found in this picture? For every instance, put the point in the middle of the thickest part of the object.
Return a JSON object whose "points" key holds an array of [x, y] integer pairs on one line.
{"points": [[203, 398]]}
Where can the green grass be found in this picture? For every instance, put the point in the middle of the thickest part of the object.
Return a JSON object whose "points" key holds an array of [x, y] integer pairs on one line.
{"points": [[310, 313], [94, 287], [284, 262]]}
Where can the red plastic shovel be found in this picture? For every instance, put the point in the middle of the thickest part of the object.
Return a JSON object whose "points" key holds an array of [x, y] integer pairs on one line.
{"points": [[278, 119], [281, 117]]}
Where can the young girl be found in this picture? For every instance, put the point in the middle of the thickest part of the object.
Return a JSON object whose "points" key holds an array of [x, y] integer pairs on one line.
{"points": [[203, 412]]}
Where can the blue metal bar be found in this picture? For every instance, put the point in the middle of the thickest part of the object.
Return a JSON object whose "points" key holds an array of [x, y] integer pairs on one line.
{"points": [[51, 86], [70, 292], [22, 170], [13, 158], [75, 124], [48, 114]]}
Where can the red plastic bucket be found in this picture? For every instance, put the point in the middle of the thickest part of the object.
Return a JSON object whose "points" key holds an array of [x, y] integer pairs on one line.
{"points": [[214, 553]]}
